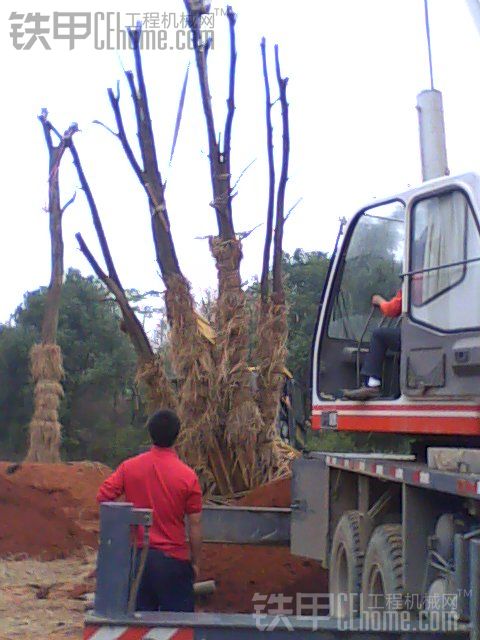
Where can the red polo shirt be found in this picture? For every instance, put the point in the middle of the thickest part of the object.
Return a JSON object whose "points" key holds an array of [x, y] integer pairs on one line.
{"points": [[160, 481]]}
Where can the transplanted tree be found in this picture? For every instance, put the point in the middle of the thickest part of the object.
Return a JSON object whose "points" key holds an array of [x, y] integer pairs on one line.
{"points": [[101, 416], [46, 356], [228, 434]]}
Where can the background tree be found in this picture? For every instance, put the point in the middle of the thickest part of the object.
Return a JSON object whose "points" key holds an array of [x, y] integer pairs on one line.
{"points": [[305, 274], [46, 356], [101, 413]]}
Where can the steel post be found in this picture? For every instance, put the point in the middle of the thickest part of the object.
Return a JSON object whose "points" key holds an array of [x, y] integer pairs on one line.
{"points": [[114, 559], [433, 146], [475, 589], [462, 571]]}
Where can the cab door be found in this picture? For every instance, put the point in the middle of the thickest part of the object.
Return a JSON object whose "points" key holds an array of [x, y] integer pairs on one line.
{"points": [[441, 331], [370, 261]]}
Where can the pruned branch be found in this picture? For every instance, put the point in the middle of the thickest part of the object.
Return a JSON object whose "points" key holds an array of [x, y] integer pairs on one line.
{"points": [[149, 175], [99, 272], [194, 13], [97, 223], [219, 159], [69, 202], [111, 280], [121, 135], [133, 326], [241, 235], [102, 124], [243, 172], [278, 290], [292, 208], [142, 110], [231, 88], [47, 128], [178, 119], [264, 284], [55, 211]]}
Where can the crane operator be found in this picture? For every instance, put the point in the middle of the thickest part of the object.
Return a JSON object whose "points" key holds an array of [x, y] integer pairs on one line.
{"points": [[383, 338]]}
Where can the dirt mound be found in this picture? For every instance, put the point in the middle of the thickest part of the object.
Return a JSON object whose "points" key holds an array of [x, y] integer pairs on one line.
{"points": [[240, 571], [48, 511], [273, 494]]}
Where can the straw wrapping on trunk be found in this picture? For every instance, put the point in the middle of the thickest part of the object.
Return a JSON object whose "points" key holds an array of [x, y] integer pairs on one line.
{"points": [[194, 366], [271, 354], [46, 365], [159, 392], [46, 362], [242, 417]]}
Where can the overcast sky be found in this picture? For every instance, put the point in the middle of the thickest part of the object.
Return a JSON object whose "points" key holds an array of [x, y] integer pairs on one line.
{"points": [[355, 67]]}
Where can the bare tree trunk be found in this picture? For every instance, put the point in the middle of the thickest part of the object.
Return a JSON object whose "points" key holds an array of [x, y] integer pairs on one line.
{"points": [[46, 358], [271, 350], [239, 413]]}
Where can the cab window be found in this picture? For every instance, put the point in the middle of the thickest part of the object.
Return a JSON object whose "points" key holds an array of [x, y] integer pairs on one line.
{"points": [[445, 263]]}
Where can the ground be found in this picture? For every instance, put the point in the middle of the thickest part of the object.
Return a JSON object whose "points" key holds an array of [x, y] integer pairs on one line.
{"points": [[37, 598], [48, 537]]}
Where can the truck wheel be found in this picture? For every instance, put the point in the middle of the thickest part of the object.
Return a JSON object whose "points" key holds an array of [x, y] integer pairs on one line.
{"points": [[345, 569], [382, 583]]}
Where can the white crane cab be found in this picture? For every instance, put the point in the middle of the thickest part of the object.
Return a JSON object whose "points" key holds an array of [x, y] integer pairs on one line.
{"points": [[425, 243]]}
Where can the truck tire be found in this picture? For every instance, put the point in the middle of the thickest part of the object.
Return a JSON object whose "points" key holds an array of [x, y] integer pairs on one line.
{"points": [[382, 582], [345, 568]]}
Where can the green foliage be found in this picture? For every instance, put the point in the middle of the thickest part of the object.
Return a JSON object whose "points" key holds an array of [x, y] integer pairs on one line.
{"points": [[101, 414], [16, 398], [305, 274], [358, 442]]}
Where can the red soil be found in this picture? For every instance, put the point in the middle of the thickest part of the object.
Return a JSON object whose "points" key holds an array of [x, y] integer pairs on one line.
{"points": [[273, 494], [240, 571], [49, 511]]}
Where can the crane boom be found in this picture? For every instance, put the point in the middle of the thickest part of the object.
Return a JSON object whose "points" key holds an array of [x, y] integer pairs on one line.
{"points": [[474, 6]]}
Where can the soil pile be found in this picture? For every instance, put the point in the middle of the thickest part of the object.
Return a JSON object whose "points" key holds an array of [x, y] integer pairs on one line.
{"points": [[241, 571], [48, 511], [273, 494]]}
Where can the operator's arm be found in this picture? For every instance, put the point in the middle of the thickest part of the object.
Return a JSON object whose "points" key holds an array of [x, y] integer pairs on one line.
{"points": [[391, 308], [113, 486], [195, 535]]}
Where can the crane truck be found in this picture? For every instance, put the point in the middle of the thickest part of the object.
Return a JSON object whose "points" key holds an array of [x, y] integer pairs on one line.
{"points": [[399, 533]]}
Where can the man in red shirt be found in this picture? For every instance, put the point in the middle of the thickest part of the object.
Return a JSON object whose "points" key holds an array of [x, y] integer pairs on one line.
{"points": [[383, 338], [160, 481]]}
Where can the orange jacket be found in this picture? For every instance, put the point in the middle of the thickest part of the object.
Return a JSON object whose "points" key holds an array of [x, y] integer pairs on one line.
{"points": [[392, 308]]}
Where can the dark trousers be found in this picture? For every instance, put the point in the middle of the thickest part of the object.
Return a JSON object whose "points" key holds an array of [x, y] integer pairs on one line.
{"points": [[383, 338], [166, 585]]}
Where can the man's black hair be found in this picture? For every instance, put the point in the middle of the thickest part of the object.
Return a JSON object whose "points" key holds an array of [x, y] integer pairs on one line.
{"points": [[163, 426]]}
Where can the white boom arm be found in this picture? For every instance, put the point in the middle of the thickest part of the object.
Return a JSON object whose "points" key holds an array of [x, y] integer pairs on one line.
{"points": [[474, 6]]}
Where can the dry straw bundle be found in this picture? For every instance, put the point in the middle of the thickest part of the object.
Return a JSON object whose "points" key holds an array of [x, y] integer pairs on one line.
{"points": [[46, 365]]}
